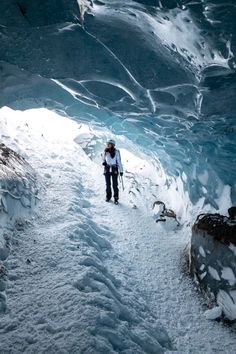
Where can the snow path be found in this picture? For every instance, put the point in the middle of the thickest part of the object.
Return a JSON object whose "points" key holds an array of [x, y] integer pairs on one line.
{"points": [[152, 256], [61, 295], [100, 276]]}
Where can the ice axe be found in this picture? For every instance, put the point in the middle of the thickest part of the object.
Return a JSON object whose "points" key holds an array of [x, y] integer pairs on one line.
{"points": [[122, 182]]}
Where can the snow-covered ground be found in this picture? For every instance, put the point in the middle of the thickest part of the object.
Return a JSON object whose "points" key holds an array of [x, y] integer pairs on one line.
{"points": [[85, 276]]}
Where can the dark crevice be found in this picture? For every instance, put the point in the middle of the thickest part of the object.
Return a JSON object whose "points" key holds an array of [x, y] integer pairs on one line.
{"points": [[22, 9]]}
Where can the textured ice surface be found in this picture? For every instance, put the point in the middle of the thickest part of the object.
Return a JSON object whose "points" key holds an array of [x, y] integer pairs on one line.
{"points": [[162, 74]]}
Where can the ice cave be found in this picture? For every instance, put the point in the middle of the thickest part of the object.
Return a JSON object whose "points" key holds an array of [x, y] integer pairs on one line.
{"points": [[151, 81]]}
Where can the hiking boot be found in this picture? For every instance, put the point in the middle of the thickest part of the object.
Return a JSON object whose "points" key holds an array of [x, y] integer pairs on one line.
{"points": [[116, 201], [107, 200]]}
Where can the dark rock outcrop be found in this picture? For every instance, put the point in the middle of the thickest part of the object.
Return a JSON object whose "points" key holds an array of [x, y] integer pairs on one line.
{"points": [[213, 259], [163, 213], [18, 187], [220, 227]]}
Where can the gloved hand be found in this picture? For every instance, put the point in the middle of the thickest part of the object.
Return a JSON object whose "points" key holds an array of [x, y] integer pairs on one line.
{"points": [[104, 163], [121, 174]]}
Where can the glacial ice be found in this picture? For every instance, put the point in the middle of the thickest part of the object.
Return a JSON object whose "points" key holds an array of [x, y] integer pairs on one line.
{"points": [[157, 82], [159, 77]]}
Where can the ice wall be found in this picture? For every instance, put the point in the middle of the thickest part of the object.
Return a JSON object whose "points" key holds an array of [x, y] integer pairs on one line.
{"points": [[161, 74]]}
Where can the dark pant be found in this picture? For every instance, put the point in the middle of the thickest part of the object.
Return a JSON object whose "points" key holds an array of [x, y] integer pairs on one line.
{"points": [[114, 177]]}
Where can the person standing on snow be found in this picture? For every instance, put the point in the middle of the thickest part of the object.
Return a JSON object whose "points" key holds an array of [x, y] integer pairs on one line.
{"points": [[112, 168]]}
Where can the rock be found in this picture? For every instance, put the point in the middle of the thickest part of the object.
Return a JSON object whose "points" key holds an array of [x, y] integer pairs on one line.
{"points": [[6, 155], [232, 213], [218, 226], [161, 213], [158, 220], [18, 183], [213, 260]]}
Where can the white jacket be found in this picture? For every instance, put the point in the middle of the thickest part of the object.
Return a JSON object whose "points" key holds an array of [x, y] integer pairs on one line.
{"points": [[116, 160]]}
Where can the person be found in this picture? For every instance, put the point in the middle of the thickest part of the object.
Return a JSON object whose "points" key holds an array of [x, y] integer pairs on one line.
{"points": [[111, 160]]}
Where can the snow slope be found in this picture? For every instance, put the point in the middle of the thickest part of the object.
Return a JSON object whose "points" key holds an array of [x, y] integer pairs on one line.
{"points": [[89, 277]]}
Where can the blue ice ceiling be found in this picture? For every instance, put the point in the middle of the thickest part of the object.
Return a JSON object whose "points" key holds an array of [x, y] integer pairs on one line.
{"points": [[161, 72]]}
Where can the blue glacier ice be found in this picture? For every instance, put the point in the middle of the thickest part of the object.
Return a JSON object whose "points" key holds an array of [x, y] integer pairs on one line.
{"points": [[159, 72]]}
